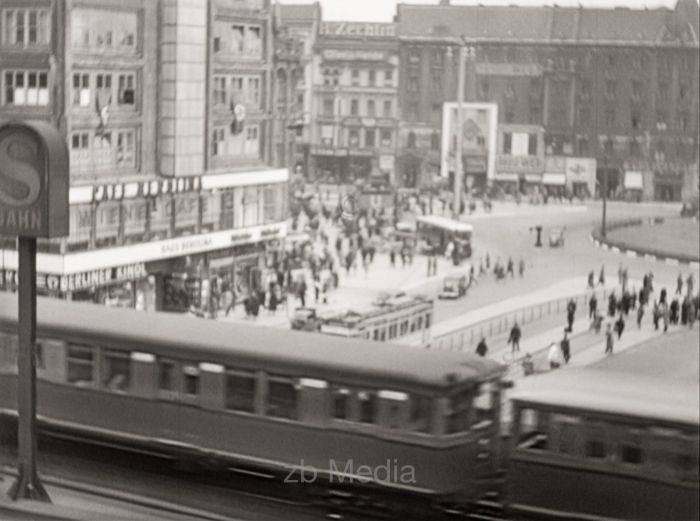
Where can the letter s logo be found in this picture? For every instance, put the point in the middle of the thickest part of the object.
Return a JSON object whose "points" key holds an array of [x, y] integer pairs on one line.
{"points": [[20, 181]]}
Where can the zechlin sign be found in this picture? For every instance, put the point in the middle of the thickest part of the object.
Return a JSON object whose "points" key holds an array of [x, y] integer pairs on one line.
{"points": [[32, 202]]}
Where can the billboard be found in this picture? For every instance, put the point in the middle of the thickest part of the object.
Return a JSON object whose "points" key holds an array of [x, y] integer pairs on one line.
{"points": [[478, 134]]}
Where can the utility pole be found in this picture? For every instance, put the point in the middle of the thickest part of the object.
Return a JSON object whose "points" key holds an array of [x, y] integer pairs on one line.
{"points": [[605, 195], [457, 203]]}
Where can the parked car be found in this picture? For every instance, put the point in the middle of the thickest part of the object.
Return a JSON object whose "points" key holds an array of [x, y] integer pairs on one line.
{"points": [[556, 238], [453, 287], [306, 319]]}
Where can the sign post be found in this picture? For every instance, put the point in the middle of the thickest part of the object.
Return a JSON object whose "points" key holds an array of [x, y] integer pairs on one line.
{"points": [[33, 203]]}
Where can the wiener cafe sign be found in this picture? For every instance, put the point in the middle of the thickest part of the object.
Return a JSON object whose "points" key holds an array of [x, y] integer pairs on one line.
{"points": [[33, 180]]}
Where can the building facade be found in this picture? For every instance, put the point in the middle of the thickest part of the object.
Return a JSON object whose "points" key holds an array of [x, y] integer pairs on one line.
{"points": [[164, 106], [354, 109], [616, 86]]}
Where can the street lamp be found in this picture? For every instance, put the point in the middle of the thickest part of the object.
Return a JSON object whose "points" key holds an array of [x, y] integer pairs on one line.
{"points": [[465, 52]]}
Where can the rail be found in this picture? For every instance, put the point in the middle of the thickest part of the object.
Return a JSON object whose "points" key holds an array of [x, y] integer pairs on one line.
{"points": [[467, 337]]}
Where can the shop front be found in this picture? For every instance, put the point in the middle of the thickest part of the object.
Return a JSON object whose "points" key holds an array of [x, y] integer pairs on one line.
{"points": [[580, 176], [330, 165], [634, 185], [554, 177]]}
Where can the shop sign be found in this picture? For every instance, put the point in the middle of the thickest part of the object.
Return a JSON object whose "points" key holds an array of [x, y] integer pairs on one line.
{"points": [[580, 169], [327, 151], [33, 180], [134, 216], [186, 208], [353, 55], [555, 164], [241, 237], [10, 278], [519, 164], [509, 69], [476, 165], [386, 162], [270, 232], [186, 245], [369, 122], [96, 278], [362, 29]]}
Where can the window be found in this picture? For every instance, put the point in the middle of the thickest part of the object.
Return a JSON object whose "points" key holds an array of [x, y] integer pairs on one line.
{"points": [[240, 390], [386, 139], [281, 398], [254, 41], [217, 141], [610, 88], [532, 144], [166, 375], [595, 449], [220, 91], [585, 89], [458, 407], [237, 39], [636, 120], [637, 89], [412, 111], [81, 90], [533, 430], [116, 371], [125, 151], [369, 138], [483, 403], [371, 108], [272, 203], [372, 78], [420, 414], [436, 83], [507, 142], [328, 106], [484, 88], [663, 90], [428, 316], [534, 117], [253, 93], [79, 360], [354, 137], [104, 30], [631, 454], [80, 150], [367, 405], [252, 140], [354, 107], [126, 85], [565, 430], [190, 375], [610, 118], [26, 27], [355, 77], [26, 88], [412, 84], [411, 140], [388, 109], [388, 77], [340, 403]]}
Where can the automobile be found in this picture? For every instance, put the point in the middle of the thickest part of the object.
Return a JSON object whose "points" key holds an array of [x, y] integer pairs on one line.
{"points": [[556, 238], [306, 319], [691, 208], [453, 287]]}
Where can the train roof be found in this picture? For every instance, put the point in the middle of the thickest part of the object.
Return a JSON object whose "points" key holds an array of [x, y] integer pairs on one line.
{"points": [[658, 379], [292, 352], [445, 223]]}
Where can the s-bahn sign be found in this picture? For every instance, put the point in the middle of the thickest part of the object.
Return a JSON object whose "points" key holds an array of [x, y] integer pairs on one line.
{"points": [[33, 180]]}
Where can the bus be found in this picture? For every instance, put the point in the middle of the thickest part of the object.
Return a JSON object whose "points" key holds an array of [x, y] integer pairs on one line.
{"points": [[439, 231], [398, 319]]}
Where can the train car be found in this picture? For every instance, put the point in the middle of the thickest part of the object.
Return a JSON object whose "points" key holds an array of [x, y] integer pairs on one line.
{"points": [[349, 413], [616, 441]]}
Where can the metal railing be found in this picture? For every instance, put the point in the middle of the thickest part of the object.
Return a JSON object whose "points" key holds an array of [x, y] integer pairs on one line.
{"points": [[468, 336]]}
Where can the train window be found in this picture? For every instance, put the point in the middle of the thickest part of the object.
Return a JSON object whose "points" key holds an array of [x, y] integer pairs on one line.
{"points": [[116, 371], [166, 380], [565, 431], [595, 449], [533, 434], [240, 391], [458, 412], [420, 322], [392, 331], [375, 335], [420, 414], [340, 403], [427, 321], [281, 398], [631, 454], [483, 403], [686, 460], [382, 335], [191, 379], [80, 362], [367, 401]]}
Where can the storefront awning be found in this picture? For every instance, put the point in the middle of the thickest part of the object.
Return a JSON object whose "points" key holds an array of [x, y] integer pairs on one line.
{"points": [[554, 179], [533, 178], [510, 178], [634, 180]]}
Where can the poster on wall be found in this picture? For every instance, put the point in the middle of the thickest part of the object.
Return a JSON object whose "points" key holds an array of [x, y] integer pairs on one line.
{"points": [[478, 135]]}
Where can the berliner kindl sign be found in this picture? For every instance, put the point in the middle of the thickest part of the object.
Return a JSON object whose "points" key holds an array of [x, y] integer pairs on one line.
{"points": [[33, 180]]}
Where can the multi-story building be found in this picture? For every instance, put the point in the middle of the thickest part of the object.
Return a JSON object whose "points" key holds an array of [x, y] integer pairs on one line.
{"points": [[296, 29], [616, 88], [354, 106], [164, 106]]}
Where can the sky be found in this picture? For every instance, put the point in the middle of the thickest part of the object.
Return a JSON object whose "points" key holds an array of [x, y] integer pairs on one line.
{"points": [[384, 10]]}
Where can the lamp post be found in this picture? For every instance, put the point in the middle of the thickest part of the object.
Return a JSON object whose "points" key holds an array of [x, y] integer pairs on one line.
{"points": [[457, 202]]}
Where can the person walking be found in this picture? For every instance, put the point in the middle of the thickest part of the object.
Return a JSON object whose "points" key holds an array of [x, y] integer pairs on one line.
{"points": [[665, 315], [481, 348], [609, 340], [656, 315], [619, 275], [566, 347], [674, 308], [592, 306], [620, 326], [679, 284], [301, 292], [514, 339], [640, 315], [392, 256], [528, 365], [509, 268], [690, 284], [685, 308], [521, 267], [570, 314], [591, 279], [472, 279], [488, 261], [612, 304], [601, 277], [482, 269], [554, 356]]}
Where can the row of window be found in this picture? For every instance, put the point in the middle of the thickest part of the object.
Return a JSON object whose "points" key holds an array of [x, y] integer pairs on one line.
{"points": [[370, 138], [26, 27], [230, 89], [99, 89], [243, 40], [332, 107], [94, 150], [102, 30], [574, 436], [111, 223], [269, 394], [227, 143], [360, 78], [399, 327], [25, 88]]}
